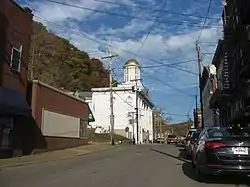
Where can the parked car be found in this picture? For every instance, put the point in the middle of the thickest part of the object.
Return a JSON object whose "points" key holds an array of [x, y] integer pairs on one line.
{"points": [[222, 150], [172, 139], [193, 140], [160, 140], [187, 139], [182, 139]]}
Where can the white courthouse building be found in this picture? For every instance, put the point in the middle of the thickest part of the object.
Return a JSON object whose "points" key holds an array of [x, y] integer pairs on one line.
{"points": [[124, 106]]}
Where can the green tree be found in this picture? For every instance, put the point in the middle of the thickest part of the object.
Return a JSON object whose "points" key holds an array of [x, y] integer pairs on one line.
{"points": [[55, 61]]}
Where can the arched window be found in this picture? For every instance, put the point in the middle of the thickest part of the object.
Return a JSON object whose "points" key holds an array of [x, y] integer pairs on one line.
{"points": [[137, 73], [126, 74]]}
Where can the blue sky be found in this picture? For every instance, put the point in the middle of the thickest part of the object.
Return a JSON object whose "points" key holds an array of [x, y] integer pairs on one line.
{"points": [[127, 23]]}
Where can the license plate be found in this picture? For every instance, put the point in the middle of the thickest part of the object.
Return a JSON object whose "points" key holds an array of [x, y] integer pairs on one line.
{"points": [[240, 151]]}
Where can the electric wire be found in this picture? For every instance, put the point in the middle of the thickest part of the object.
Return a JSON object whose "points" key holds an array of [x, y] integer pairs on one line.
{"points": [[152, 27], [157, 10], [205, 20], [128, 16]]}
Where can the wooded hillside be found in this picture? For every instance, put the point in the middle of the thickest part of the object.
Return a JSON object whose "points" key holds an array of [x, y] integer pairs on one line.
{"points": [[55, 61]]}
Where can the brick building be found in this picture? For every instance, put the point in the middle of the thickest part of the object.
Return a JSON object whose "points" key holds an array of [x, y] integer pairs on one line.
{"points": [[197, 118], [210, 116], [15, 38], [62, 119], [232, 60]]}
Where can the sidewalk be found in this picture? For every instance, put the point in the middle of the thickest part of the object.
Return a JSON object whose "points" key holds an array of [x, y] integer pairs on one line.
{"points": [[55, 155]]}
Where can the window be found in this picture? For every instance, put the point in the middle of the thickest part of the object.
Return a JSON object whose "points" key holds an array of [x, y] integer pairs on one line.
{"points": [[16, 57], [137, 73], [126, 74], [230, 132]]}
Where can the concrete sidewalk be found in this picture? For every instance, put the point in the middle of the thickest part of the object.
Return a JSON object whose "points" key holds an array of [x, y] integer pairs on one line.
{"points": [[55, 155]]}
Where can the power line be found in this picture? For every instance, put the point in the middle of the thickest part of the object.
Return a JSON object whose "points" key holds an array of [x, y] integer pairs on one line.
{"points": [[173, 114], [151, 29], [152, 9], [127, 16], [163, 65], [205, 20], [174, 88], [120, 82], [126, 51]]}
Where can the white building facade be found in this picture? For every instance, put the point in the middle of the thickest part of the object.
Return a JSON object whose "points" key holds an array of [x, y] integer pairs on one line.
{"points": [[211, 117], [125, 96]]}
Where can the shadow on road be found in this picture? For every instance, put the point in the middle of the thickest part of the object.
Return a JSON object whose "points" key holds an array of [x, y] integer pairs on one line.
{"points": [[189, 171], [180, 145]]}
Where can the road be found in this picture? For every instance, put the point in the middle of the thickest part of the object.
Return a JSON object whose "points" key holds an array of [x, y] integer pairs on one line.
{"points": [[126, 166]]}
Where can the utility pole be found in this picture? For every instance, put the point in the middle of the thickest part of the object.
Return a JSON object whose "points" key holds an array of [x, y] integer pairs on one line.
{"points": [[161, 126], [136, 109], [136, 112], [200, 76], [155, 123], [133, 123], [111, 97]]}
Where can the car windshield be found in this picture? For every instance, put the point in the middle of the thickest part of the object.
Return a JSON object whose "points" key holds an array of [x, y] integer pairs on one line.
{"points": [[171, 136], [229, 132], [190, 132]]}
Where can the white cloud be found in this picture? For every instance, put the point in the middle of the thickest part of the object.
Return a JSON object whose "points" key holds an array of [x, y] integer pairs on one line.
{"points": [[167, 43], [56, 12]]}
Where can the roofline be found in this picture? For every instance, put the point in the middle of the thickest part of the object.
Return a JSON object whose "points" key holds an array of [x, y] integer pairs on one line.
{"points": [[57, 90], [24, 9], [218, 52], [107, 89]]}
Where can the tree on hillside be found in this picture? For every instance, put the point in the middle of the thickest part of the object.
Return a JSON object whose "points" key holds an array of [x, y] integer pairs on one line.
{"points": [[55, 61]]}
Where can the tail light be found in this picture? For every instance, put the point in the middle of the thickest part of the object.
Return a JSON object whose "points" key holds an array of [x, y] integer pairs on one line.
{"points": [[214, 145]]}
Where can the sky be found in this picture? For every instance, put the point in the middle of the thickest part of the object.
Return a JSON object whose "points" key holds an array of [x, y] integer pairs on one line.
{"points": [[154, 32]]}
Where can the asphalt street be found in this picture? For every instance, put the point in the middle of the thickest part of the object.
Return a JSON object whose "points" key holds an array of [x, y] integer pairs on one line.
{"points": [[126, 166]]}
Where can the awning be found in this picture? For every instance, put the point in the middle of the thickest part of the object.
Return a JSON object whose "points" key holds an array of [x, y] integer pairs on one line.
{"points": [[13, 102], [91, 117]]}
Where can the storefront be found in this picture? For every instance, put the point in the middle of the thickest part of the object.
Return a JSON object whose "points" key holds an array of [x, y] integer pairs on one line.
{"points": [[13, 107]]}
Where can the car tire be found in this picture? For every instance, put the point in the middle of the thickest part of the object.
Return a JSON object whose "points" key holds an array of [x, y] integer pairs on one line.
{"points": [[199, 176], [193, 164], [168, 143]]}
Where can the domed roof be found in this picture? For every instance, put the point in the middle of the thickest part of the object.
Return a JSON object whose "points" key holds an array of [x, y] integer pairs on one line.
{"points": [[132, 62]]}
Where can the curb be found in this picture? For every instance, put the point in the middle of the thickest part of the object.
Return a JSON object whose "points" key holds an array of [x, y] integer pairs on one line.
{"points": [[54, 159]]}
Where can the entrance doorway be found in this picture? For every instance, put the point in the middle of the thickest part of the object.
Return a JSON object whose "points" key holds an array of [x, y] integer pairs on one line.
{"points": [[6, 127]]}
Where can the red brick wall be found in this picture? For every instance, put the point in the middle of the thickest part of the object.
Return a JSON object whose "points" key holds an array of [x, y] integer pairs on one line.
{"points": [[42, 96], [17, 28], [55, 143], [47, 98]]}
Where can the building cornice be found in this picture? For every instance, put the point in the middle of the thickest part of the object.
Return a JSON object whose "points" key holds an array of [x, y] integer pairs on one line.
{"points": [[124, 89]]}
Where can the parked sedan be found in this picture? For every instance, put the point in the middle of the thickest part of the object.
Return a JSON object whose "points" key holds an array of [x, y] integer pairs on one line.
{"points": [[188, 137], [193, 140], [222, 150]]}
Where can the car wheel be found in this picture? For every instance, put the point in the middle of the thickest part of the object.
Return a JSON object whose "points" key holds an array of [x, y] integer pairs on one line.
{"points": [[193, 164], [198, 175], [168, 143]]}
